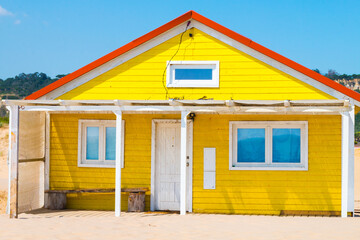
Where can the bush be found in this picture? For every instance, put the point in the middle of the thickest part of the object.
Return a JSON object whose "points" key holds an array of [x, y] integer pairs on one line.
{"points": [[4, 120]]}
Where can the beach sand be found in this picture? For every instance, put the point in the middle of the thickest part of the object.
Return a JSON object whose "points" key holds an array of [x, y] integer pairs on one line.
{"points": [[4, 135], [4, 139], [103, 225]]}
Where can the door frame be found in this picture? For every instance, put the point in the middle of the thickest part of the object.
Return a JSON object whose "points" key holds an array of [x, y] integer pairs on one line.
{"points": [[153, 161]]}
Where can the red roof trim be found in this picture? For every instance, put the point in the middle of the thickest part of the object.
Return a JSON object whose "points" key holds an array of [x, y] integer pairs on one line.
{"points": [[191, 14]]}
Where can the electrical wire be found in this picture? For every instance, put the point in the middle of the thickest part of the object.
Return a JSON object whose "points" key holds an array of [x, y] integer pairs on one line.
{"points": [[167, 65]]}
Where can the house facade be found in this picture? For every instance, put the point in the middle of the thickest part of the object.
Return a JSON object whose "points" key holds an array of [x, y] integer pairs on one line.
{"points": [[206, 119]]}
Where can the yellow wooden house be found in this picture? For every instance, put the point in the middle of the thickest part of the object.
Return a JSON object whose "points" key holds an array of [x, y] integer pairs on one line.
{"points": [[207, 120]]}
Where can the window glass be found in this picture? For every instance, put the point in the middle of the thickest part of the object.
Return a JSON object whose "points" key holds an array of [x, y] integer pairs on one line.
{"points": [[286, 145], [251, 145], [193, 74], [92, 143], [110, 147]]}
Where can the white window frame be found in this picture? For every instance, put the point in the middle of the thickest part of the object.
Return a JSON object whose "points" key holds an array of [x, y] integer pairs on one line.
{"points": [[101, 162], [268, 165], [170, 74]]}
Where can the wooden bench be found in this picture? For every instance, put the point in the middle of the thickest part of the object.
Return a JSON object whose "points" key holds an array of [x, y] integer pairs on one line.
{"points": [[136, 199]]}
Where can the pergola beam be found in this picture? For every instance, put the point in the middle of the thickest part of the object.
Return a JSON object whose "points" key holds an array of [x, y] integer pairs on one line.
{"points": [[198, 106], [347, 162], [118, 163], [173, 102], [13, 161], [183, 161]]}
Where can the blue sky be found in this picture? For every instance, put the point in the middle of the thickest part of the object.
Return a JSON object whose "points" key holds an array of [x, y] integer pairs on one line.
{"points": [[61, 36]]}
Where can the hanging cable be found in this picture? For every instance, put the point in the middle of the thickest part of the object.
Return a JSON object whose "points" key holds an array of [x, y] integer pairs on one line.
{"points": [[167, 65]]}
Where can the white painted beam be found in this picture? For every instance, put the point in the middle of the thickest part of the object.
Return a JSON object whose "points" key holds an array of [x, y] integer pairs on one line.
{"points": [[118, 163], [47, 158], [183, 155], [197, 109], [13, 161], [351, 167], [345, 130]]}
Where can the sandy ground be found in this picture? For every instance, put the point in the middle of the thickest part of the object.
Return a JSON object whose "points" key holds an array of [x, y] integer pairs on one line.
{"points": [[103, 225], [4, 134]]}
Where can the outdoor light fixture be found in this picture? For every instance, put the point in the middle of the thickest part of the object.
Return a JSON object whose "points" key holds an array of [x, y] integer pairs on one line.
{"points": [[192, 116]]}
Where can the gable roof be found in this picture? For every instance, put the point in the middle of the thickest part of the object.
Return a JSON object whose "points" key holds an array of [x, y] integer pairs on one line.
{"points": [[185, 17]]}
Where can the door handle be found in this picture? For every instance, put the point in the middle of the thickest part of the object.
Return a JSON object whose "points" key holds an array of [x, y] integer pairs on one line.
{"points": [[187, 164]]}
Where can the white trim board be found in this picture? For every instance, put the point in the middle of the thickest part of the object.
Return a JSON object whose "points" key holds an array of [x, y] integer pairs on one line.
{"points": [[153, 167], [174, 32]]}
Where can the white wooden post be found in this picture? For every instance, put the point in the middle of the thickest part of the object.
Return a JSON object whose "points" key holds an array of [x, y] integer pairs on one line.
{"points": [[47, 159], [183, 154], [351, 167], [118, 163], [345, 130], [13, 161]]}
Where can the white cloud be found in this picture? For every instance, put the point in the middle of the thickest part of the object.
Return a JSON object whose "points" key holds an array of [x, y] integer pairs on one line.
{"points": [[17, 21], [4, 12]]}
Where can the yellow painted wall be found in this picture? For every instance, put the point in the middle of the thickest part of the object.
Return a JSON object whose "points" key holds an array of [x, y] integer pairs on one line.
{"points": [[246, 192], [269, 192], [65, 174], [241, 77]]}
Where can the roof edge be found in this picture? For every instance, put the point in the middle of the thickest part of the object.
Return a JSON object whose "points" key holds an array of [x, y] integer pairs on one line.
{"points": [[110, 56], [194, 15], [276, 56]]}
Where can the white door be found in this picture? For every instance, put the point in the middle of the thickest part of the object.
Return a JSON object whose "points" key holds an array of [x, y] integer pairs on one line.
{"points": [[167, 166]]}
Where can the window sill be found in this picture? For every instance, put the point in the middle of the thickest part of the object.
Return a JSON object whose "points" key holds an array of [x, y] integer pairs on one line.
{"points": [[270, 168], [96, 165], [172, 85]]}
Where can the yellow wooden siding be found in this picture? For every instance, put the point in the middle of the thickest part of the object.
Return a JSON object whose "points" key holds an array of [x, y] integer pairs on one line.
{"points": [[241, 76], [65, 173], [246, 192], [269, 192]]}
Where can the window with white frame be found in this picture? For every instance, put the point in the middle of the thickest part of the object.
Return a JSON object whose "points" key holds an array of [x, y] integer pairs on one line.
{"points": [[194, 74], [268, 145], [97, 143]]}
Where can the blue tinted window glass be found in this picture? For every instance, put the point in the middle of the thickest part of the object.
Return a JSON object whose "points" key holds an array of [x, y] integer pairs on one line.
{"points": [[193, 74], [92, 143], [251, 145], [286, 145], [110, 143]]}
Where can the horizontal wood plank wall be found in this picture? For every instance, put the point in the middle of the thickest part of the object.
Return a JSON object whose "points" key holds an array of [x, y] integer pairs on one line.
{"points": [[241, 76], [65, 174], [242, 192], [269, 192]]}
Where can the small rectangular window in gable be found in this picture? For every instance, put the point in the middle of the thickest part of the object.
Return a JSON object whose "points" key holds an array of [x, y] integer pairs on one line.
{"points": [[193, 74]]}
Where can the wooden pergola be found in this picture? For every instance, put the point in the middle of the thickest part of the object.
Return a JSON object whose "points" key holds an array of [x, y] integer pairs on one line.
{"points": [[345, 108]]}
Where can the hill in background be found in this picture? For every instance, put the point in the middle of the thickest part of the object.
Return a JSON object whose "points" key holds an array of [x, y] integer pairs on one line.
{"points": [[24, 84]]}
